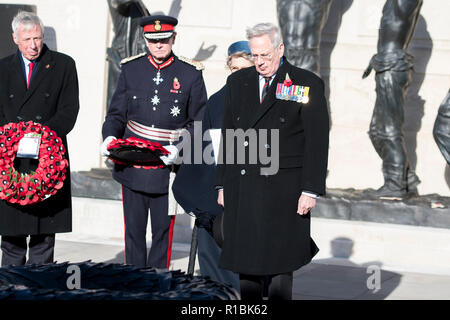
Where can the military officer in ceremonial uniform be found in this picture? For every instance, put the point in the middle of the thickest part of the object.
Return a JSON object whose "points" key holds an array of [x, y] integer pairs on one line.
{"points": [[157, 96]]}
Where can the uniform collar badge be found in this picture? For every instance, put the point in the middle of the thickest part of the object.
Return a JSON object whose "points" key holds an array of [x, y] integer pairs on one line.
{"points": [[290, 92]]}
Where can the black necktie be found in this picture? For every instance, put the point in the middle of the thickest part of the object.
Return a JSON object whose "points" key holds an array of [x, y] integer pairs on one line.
{"points": [[265, 88]]}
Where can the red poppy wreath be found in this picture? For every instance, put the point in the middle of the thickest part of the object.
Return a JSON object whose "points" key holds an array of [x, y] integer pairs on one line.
{"points": [[138, 153], [36, 186]]}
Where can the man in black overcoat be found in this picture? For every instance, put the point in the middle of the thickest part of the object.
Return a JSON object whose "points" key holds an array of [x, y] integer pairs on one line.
{"points": [[278, 112], [38, 85]]}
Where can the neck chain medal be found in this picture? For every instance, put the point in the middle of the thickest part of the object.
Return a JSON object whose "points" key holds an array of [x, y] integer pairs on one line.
{"points": [[158, 79]]}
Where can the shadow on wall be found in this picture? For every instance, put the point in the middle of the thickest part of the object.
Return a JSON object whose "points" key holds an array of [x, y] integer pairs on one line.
{"points": [[328, 40], [50, 38], [362, 276], [420, 48], [202, 53]]}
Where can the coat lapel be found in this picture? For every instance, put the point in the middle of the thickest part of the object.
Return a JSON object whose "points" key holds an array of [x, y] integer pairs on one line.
{"points": [[17, 72], [270, 99], [46, 63], [251, 92], [17, 86]]}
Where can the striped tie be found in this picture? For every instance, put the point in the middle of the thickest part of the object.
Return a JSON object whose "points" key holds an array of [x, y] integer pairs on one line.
{"points": [[265, 88]]}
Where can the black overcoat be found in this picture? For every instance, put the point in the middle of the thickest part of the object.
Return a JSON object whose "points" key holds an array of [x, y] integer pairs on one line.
{"points": [[52, 100], [263, 234]]}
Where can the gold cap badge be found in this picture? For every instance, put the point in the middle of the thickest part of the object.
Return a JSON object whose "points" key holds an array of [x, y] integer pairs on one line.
{"points": [[157, 25]]}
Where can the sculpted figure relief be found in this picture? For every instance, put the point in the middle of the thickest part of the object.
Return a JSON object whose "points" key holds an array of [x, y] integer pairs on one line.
{"points": [[393, 65], [301, 23], [128, 40], [441, 131]]}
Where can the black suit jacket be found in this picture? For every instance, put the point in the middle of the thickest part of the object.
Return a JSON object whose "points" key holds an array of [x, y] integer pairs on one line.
{"points": [[51, 100]]}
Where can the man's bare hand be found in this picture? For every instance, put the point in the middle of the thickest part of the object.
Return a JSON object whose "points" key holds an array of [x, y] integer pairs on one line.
{"points": [[220, 198], [305, 203]]}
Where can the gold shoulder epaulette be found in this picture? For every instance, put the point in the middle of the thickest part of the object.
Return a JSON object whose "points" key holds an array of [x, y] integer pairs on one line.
{"points": [[196, 64], [123, 61]]}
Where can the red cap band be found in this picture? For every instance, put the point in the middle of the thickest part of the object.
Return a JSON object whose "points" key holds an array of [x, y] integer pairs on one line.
{"points": [[160, 28]]}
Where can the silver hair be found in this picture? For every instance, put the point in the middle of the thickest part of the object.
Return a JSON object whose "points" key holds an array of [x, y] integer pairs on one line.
{"points": [[28, 19], [266, 28]]}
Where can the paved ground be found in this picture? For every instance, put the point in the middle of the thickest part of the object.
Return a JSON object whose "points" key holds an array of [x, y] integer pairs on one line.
{"points": [[322, 279]]}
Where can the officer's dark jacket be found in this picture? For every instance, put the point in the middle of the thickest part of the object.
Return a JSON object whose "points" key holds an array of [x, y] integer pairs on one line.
{"points": [[138, 97]]}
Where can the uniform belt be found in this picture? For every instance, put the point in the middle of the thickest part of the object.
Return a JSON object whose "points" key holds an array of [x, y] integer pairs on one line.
{"points": [[152, 133]]}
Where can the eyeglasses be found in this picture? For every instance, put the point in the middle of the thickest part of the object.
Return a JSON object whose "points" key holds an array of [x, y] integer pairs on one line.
{"points": [[264, 56]]}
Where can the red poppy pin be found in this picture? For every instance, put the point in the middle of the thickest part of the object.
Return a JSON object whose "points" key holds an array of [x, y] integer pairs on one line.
{"points": [[176, 84], [47, 66], [287, 82]]}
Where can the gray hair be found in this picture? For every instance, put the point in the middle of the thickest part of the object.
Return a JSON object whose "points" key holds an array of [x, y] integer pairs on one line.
{"points": [[28, 19], [266, 29]]}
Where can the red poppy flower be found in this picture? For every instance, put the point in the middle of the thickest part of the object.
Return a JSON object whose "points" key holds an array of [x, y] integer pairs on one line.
{"points": [[48, 178], [287, 82]]}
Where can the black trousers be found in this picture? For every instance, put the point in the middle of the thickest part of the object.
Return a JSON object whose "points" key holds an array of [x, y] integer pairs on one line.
{"points": [[279, 286], [208, 260], [41, 249], [135, 208]]}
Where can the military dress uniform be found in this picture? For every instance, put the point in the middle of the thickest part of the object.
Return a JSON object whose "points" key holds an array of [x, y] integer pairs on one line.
{"points": [[152, 102]]}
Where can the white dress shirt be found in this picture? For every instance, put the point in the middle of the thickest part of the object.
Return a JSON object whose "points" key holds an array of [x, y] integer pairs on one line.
{"points": [[27, 68]]}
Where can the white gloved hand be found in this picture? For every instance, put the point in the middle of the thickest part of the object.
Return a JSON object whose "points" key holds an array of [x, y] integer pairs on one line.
{"points": [[104, 145], [170, 158]]}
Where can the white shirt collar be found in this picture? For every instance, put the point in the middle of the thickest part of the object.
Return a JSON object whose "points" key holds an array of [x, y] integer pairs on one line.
{"points": [[25, 60]]}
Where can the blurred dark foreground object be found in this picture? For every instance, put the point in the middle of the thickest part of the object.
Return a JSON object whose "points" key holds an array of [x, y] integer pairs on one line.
{"points": [[101, 281]]}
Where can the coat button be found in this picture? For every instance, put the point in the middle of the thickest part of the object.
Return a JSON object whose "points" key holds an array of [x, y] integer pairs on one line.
{"points": [[47, 94], [245, 143], [282, 120], [19, 118], [242, 171], [134, 97], [267, 146], [154, 108], [38, 117], [11, 96], [238, 118]]}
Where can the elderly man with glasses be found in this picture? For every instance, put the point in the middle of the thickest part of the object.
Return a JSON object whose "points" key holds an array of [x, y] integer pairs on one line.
{"points": [[267, 214]]}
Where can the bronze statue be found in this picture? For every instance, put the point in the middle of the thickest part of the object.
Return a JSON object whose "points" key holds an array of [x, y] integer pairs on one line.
{"points": [[128, 40], [303, 21], [393, 65], [441, 130]]}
